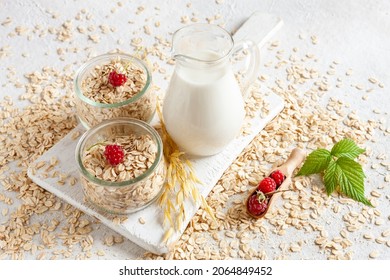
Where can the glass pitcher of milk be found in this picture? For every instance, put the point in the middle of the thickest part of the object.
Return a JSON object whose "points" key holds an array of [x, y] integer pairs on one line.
{"points": [[203, 107]]}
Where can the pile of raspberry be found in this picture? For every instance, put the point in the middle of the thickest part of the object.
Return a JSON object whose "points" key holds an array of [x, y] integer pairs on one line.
{"points": [[258, 201]]}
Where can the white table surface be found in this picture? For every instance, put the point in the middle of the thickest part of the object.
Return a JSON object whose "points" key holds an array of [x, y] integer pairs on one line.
{"points": [[356, 33]]}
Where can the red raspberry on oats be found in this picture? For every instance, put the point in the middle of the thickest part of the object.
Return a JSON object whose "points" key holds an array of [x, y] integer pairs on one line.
{"points": [[267, 185], [278, 177], [117, 79], [114, 154], [257, 203]]}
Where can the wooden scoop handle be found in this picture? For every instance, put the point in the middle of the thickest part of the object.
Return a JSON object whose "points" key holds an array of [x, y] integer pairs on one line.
{"points": [[294, 160]]}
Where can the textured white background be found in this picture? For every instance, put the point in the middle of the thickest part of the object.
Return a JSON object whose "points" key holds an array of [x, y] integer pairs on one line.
{"points": [[356, 33]]}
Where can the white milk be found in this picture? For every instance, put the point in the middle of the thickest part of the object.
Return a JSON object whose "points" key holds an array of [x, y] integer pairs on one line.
{"points": [[203, 108]]}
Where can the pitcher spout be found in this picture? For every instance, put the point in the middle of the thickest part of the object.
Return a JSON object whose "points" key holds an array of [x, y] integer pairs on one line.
{"points": [[201, 43]]}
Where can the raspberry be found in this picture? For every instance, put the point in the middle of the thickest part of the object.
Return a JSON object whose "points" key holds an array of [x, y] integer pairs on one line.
{"points": [[257, 203], [114, 154], [278, 177], [267, 185], [117, 79]]}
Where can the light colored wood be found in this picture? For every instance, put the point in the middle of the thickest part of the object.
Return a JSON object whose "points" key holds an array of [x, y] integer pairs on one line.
{"points": [[295, 159], [258, 28]]}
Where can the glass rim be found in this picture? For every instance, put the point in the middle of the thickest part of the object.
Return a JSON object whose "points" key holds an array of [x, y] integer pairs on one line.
{"points": [[91, 178], [82, 70]]}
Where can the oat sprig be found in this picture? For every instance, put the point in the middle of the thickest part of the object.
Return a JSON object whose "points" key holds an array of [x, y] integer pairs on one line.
{"points": [[181, 182]]}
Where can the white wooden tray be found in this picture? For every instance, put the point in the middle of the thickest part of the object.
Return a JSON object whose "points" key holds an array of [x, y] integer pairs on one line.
{"points": [[150, 234], [258, 27]]}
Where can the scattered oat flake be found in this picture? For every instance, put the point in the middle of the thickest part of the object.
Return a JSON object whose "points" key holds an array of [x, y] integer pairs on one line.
{"points": [[372, 80], [359, 86], [295, 248], [118, 239], [73, 181], [379, 222], [184, 19], [375, 194], [75, 135], [100, 253], [374, 254], [386, 233], [4, 212], [6, 22], [94, 38]]}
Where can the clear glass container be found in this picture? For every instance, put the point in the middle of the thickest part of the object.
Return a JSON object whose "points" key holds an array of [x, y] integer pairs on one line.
{"points": [[127, 196], [141, 106]]}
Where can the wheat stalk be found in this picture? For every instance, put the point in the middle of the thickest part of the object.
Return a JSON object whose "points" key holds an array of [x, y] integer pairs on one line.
{"points": [[181, 182]]}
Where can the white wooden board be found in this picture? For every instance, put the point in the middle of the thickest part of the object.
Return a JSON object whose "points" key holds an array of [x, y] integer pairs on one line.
{"points": [[148, 235]]}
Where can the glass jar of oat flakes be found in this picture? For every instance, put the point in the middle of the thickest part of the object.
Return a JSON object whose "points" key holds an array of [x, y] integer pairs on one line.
{"points": [[114, 85], [121, 165]]}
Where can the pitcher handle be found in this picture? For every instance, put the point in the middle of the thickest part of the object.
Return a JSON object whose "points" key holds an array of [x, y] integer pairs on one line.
{"points": [[253, 62], [252, 35]]}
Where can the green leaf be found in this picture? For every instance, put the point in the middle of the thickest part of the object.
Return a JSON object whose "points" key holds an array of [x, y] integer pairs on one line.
{"points": [[350, 177], [316, 162], [330, 178], [346, 148]]}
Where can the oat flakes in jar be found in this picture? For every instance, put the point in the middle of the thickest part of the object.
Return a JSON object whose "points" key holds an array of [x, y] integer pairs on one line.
{"points": [[121, 165], [111, 86]]}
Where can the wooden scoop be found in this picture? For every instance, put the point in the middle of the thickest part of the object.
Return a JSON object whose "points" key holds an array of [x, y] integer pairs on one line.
{"points": [[295, 159]]}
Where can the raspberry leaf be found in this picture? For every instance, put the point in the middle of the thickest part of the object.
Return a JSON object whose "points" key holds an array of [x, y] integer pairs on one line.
{"points": [[341, 172], [350, 177], [330, 178], [316, 162], [346, 148]]}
